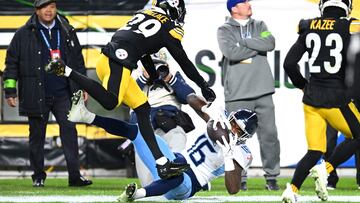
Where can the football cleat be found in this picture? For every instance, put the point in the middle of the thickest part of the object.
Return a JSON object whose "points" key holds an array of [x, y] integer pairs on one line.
{"points": [[79, 112], [171, 169], [129, 194], [319, 174], [289, 196], [56, 66]]}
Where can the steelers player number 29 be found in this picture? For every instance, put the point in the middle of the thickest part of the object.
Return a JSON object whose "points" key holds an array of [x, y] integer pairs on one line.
{"points": [[334, 42], [145, 27]]}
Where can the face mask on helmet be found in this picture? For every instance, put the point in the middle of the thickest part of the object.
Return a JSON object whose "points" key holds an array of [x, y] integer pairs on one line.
{"points": [[244, 123], [344, 4], [175, 9]]}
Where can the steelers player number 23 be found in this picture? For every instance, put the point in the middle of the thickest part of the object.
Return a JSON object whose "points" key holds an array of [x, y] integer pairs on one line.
{"points": [[145, 27], [334, 42]]}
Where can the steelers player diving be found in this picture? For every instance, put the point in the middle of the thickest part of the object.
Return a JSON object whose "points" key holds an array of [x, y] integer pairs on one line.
{"points": [[325, 99], [147, 32]]}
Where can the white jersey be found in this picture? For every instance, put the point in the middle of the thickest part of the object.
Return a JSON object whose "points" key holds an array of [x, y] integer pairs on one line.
{"points": [[206, 159]]}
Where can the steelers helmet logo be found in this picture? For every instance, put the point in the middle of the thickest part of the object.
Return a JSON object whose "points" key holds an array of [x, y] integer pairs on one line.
{"points": [[121, 54]]}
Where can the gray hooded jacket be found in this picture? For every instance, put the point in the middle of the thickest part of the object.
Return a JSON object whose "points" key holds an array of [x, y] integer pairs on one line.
{"points": [[246, 71]]}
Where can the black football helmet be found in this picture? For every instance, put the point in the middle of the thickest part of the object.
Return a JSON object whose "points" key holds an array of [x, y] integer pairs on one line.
{"points": [[344, 4], [246, 120], [175, 9]]}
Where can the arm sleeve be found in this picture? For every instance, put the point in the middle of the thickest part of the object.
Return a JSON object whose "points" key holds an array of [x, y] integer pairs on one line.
{"points": [[230, 47], [180, 87], [291, 64], [149, 66], [176, 50], [264, 41]]}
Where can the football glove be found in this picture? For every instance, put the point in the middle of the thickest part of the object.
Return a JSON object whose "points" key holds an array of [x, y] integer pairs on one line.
{"points": [[227, 150], [207, 92], [159, 83], [216, 113], [56, 66]]}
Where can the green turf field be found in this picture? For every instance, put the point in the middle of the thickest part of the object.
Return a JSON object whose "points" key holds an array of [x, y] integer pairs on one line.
{"points": [[106, 190]]}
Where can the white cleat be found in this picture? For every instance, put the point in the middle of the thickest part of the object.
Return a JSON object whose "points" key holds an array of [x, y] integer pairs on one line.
{"points": [[129, 194], [78, 112], [320, 175], [289, 196]]}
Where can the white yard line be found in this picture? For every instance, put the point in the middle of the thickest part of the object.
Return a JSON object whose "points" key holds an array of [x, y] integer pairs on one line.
{"points": [[96, 198]]}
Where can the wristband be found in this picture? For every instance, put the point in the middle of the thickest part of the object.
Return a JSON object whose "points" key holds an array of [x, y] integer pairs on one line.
{"points": [[229, 164]]}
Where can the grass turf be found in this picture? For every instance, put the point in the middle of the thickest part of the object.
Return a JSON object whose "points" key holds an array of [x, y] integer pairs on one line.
{"points": [[114, 187]]}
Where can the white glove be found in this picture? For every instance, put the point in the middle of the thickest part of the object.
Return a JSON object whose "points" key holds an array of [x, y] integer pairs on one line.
{"points": [[216, 113], [228, 151]]}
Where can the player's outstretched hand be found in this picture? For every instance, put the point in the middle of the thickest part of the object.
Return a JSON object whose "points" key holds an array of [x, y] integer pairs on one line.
{"points": [[216, 113]]}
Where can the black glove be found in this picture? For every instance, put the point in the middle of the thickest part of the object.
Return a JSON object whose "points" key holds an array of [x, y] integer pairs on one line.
{"points": [[56, 66], [207, 92], [159, 83]]}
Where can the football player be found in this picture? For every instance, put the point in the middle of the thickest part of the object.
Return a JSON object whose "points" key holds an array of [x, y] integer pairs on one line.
{"points": [[208, 158], [147, 32], [325, 99]]}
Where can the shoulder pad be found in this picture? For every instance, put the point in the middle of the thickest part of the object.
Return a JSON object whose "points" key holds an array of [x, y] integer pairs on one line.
{"points": [[177, 33], [354, 26]]}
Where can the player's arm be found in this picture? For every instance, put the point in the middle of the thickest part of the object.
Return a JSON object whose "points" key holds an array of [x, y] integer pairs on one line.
{"points": [[149, 66], [294, 55], [291, 65], [197, 103], [233, 179]]}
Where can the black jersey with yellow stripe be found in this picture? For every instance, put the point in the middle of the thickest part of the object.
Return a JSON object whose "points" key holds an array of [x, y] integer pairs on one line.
{"points": [[146, 33], [326, 41]]}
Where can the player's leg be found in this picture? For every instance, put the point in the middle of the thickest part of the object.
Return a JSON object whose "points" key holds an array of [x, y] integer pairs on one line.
{"points": [[315, 130], [108, 72], [346, 120], [137, 100]]}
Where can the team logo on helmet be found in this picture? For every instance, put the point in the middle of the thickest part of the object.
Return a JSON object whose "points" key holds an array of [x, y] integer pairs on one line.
{"points": [[246, 120]]}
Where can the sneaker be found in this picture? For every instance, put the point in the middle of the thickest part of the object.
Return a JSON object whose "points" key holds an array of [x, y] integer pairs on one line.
{"points": [[171, 169], [39, 182], [79, 182], [129, 193], [243, 186], [318, 172], [289, 196], [79, 112], [272, 185], [56, 66]]}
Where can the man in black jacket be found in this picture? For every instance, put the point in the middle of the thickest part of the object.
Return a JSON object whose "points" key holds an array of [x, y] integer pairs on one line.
{"points": [[45, 36]]}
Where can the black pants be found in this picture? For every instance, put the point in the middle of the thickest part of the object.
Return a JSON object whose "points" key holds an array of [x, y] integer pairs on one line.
{"points": [[68, 135]]}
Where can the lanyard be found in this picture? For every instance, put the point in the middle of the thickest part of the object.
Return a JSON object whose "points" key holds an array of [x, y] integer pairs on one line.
{"points": [[47, 42]]}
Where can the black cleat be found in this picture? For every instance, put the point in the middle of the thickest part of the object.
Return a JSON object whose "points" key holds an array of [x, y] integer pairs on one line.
{"points": [[171, 169], [79, 182]]}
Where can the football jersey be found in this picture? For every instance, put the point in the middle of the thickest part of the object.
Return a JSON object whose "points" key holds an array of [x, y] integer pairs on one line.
{"points": [[146, 33], [326, 41], [206, 159]]}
